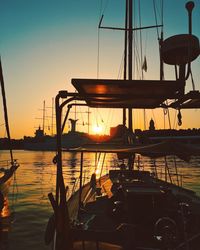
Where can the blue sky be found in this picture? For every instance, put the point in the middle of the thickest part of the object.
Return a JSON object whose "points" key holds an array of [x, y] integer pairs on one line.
{"points": [[43, 44]]}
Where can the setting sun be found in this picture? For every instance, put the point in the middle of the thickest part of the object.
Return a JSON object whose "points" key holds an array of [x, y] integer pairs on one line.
{"points": [[97, 129]]}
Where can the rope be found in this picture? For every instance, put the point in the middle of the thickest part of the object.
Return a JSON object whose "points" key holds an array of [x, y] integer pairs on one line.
{"points": [[121, 67], [101, 13], [137, 57], [141, 52], [98, 40], [162, 15], [109, 116], [166, 112], [175, 116], [179, 116], [106, 5], [193, 85], [154, 118], [137, 62], [155, 14], [98, 52]]}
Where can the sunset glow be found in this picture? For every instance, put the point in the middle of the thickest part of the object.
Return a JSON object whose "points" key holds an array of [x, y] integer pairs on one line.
{"points": [[43, 48], [97, 129]]}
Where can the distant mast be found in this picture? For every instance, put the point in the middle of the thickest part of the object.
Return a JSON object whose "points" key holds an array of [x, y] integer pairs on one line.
{"points": [[43, 123]]}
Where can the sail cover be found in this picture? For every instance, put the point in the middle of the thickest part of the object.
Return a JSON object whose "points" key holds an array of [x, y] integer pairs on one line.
{"points": [[170, 147], [112, 93]]}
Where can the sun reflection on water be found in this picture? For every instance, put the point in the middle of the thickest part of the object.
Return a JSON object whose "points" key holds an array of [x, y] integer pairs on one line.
{"points": [[36, 177]]}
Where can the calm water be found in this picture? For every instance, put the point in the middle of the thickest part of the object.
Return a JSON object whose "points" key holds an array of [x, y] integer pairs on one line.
{"points": [[36, 178]]}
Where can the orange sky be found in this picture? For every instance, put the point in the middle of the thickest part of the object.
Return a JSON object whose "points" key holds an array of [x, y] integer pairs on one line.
{"points": [[44, 45]]}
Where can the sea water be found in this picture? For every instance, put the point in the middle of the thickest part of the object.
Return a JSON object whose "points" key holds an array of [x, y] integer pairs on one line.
{"points": [[36, 177]]}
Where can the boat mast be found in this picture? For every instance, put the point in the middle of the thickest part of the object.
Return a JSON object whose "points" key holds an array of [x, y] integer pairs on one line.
{"points": [[43, 123], [5, 111], [128, 29], [128, 41], [130, 55]]}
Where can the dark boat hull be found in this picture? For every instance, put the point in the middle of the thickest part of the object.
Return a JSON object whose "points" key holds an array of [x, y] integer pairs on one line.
{"points": [[143, 214]]}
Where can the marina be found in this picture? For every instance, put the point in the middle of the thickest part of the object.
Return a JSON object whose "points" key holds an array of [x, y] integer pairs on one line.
{"points": [[126, 186]]}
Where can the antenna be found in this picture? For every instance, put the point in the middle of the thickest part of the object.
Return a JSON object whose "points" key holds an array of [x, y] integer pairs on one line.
{"points": [[190, 6]]}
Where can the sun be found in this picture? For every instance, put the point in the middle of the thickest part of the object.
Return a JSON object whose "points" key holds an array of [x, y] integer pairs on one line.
{"points": [[97, 129]]}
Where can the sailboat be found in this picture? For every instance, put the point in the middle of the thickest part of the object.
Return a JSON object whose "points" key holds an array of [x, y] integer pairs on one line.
{"points": [[125, 207], [7, 168]]}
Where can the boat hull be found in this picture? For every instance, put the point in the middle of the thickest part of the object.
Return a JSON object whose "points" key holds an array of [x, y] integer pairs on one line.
{"points": [[151, 212]]}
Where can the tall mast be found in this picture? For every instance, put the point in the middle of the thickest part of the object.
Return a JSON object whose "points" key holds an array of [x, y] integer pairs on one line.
{"points": [[128, 42], [5, 111], [130, 55]]}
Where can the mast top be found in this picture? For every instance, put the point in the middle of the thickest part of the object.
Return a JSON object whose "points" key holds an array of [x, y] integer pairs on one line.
{"points": [[189, 6]]}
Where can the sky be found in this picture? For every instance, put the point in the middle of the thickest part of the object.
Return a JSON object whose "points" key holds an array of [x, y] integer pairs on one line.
{"points": [[45, 43]]}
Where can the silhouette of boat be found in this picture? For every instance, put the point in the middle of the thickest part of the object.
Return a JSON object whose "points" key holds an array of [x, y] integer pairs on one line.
{"points": [[129, 208], [42, 142]]}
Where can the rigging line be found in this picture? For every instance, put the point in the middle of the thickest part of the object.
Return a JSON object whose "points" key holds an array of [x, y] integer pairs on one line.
{"points": [[154, 118], [81, 112], [120, 68], [136, 53], [99, 114], [95, 116], [98, 41], [162, 15], [100, 9], [109, 117], [175, 119], [106, 5], [98, 52], [164, 117], [156, 20], [101, 12], [145, 47], [144, 113], [141, 52], [192, 79], [137, 61], [169, 119], [159, 12], [134, 38]]}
